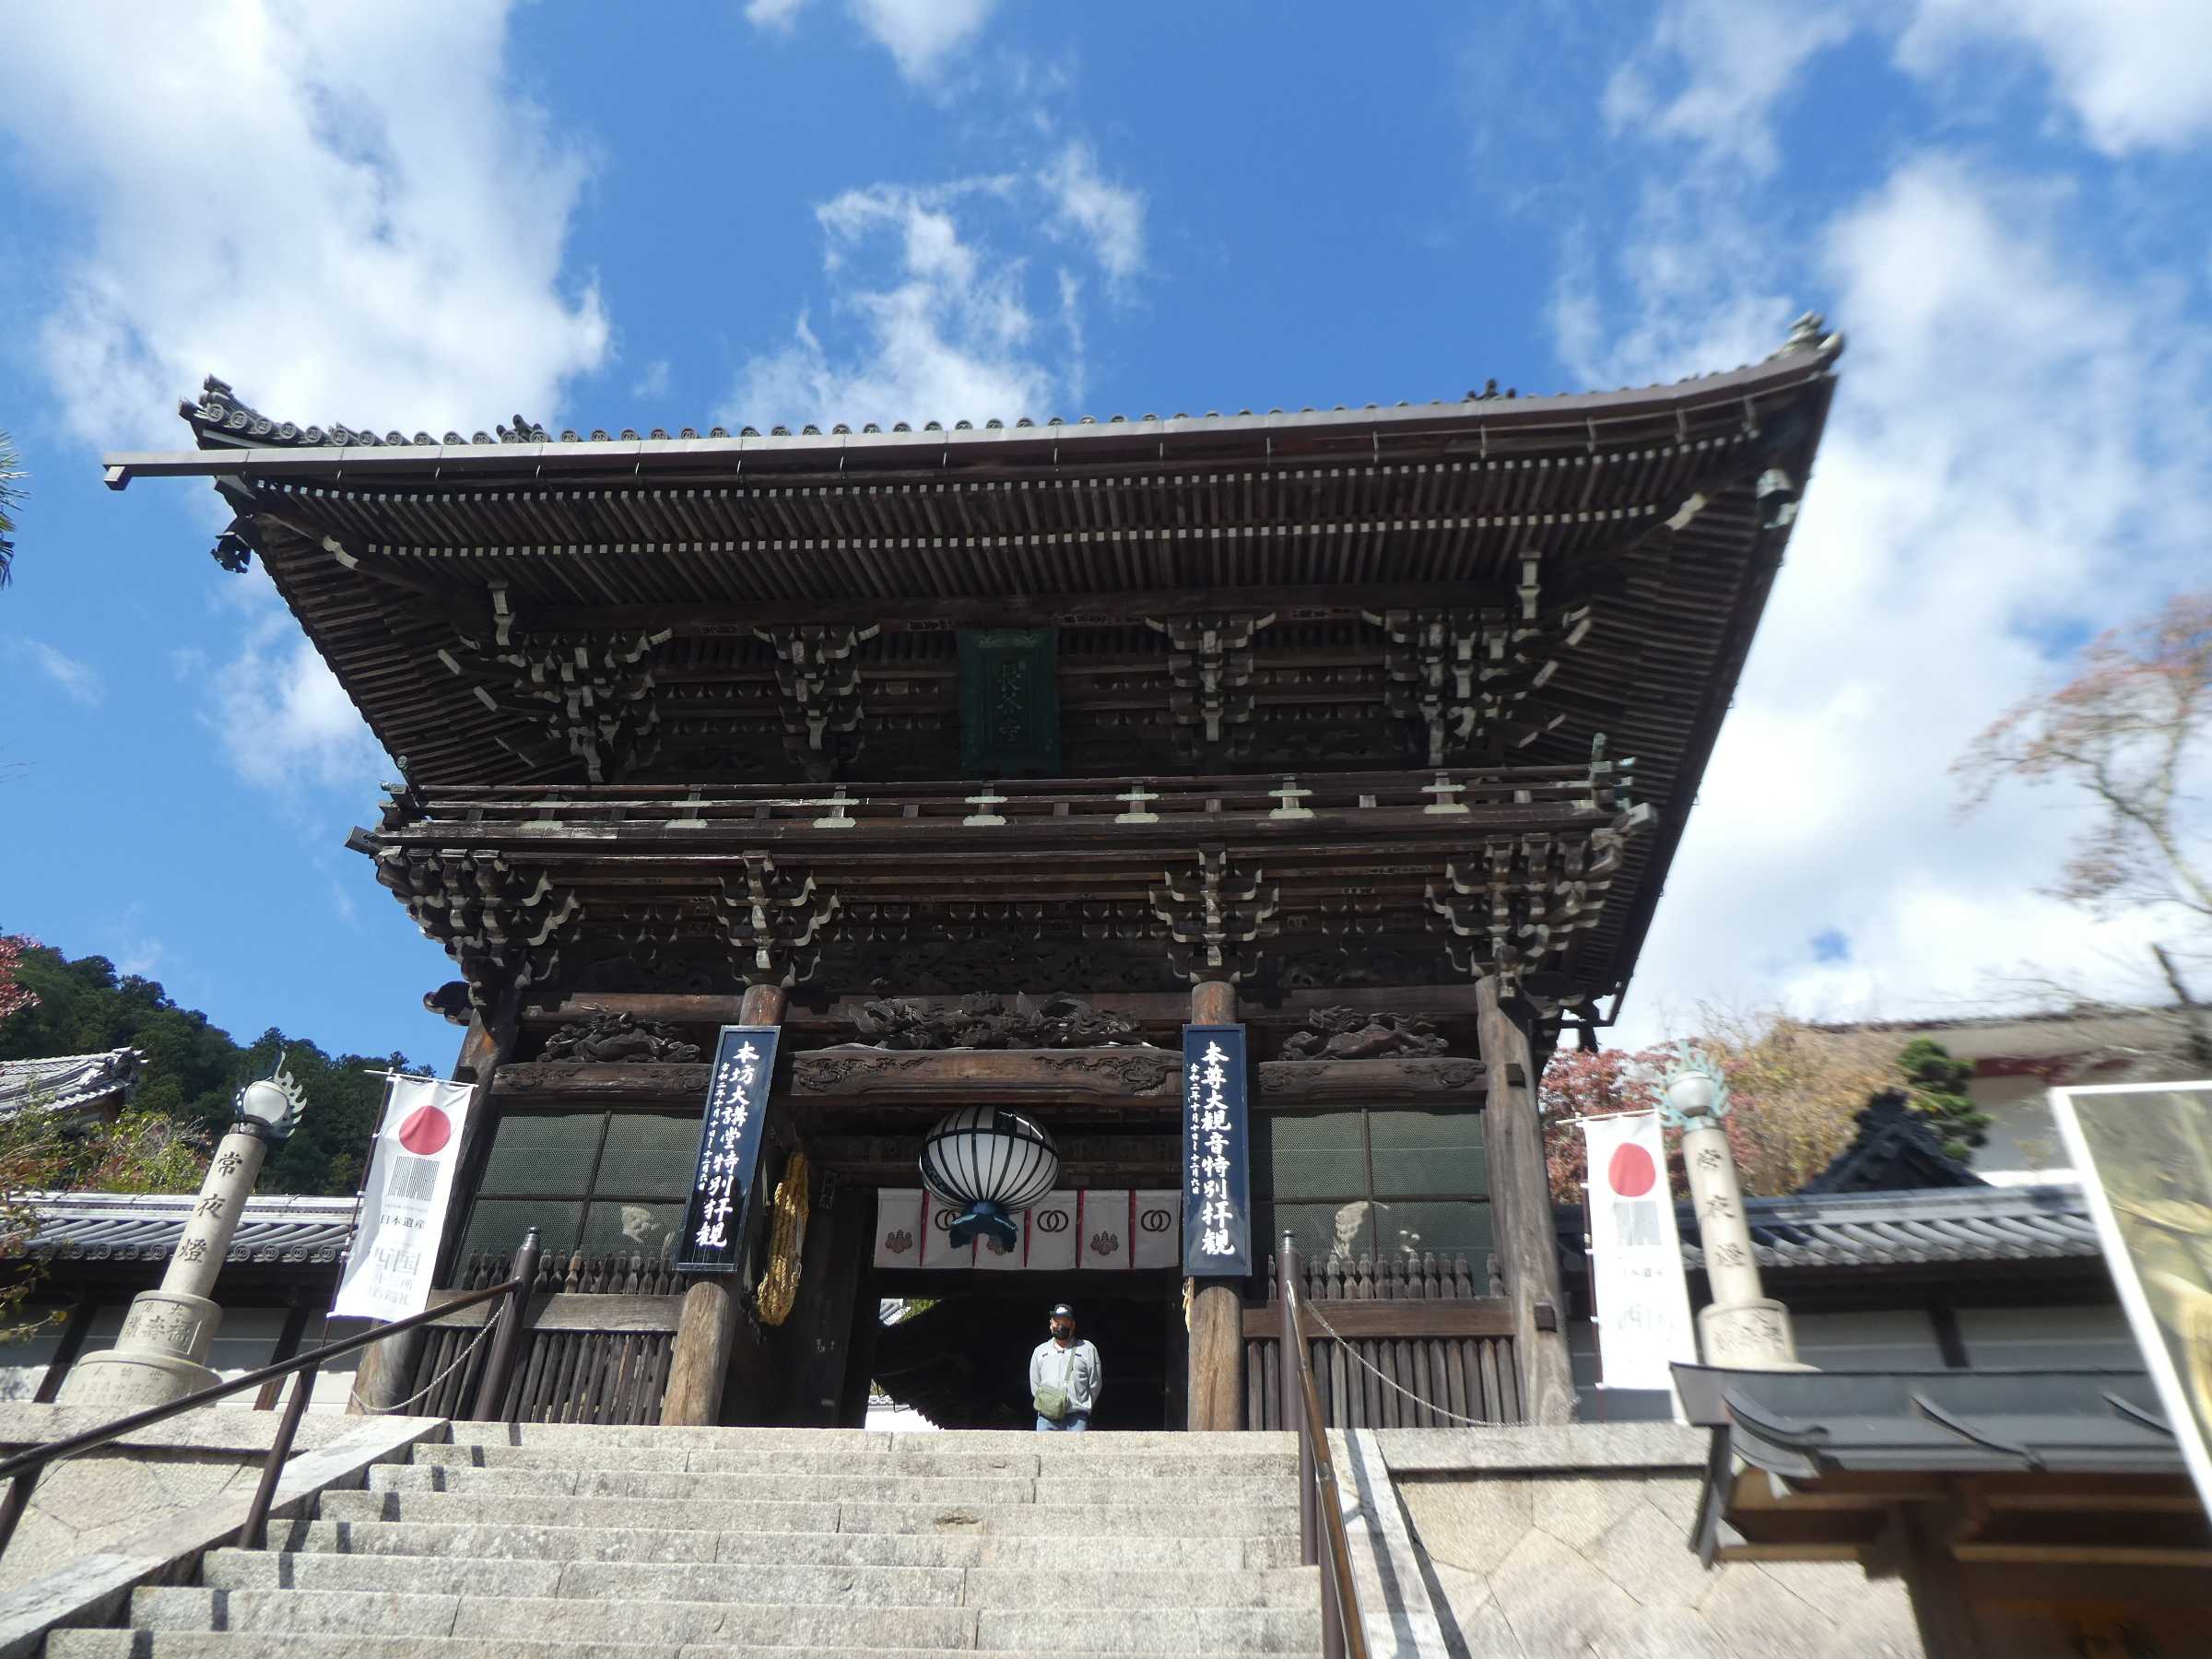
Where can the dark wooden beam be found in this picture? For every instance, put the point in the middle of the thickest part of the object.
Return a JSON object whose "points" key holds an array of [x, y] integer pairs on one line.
{"points": [[931, 1080], [1527, 1243], [1286, 603]]}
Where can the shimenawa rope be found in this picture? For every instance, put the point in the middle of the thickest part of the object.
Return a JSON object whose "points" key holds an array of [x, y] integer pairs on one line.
{"points": [[459, 1359]]}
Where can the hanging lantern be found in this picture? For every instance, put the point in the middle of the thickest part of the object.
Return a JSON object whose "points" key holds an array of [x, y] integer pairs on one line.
{"points": [[988, 1162]]}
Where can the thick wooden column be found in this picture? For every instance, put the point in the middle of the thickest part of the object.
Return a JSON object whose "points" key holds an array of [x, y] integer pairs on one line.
{"points": [[708, 1324], [1528, 1252], [1215, 1396], [381, 1380]]}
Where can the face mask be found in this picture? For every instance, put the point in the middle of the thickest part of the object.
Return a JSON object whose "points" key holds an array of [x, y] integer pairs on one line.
{"points": [[1062, 1332]]}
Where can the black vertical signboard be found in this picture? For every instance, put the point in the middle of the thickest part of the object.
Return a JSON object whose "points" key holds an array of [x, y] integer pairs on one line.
{"points": [[1217, 1153], [729, 1150]]}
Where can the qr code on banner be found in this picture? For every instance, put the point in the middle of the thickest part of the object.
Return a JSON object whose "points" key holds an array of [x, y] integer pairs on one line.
{"points": [[413, 1179]]}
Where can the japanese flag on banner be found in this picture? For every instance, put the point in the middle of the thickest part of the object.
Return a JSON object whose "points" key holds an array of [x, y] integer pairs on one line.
{"points": [[1102, 1229], [1643, 1324], [404, 1200], [899, 1228], [1159, 1240], [1052, 1232]]}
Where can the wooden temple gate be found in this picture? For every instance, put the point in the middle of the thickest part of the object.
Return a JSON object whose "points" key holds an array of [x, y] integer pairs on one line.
{"points": [[978, 762]]}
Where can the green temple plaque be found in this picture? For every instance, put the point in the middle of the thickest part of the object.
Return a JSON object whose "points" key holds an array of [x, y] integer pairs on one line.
{"points": [[1010, 702]]}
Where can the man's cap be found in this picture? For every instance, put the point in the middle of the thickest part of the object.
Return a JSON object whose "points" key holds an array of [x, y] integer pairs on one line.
{"points": [[1061, 1310]]}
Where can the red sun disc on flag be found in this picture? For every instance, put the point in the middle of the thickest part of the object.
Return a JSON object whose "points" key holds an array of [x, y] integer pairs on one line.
{"points": [[1631, 1172], [428, 1129]]}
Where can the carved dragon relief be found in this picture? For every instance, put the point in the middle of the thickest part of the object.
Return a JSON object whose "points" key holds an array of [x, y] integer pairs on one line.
{"points": [[1347, 1034], [981, 1020], [619, 1038]]}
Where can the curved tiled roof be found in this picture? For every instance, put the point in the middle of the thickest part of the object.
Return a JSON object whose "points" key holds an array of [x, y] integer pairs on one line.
{"points": [[66, 1082], [143, 1226], [1942, 1227], [221, 419]]}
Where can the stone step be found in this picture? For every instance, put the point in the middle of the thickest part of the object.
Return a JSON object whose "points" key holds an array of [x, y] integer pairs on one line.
{"points": [[1158, 1443], [1088, 1586], [1186, 1519], [542, 1543], [230, 1644], [517, 1620], [915, 1455], [1090, 1486]]}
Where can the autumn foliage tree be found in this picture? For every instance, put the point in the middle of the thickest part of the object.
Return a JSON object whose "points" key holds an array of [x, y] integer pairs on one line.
{"points": [[2130, 731], [1796, 1093], [15, 995]]}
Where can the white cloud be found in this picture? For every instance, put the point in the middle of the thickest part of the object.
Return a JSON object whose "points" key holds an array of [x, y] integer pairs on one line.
{"points": [[366, 213], [930, 318], [1714, 70], [2138, 74], [2018, 448], [921, 35], [1109, 217], [282, 717], [80, 682], [362, 223], [653, 383], [774, 14]]}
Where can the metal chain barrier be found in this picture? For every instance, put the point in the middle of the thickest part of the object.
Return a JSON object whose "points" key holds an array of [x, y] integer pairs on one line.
{"points": [[459, 1360], [1313, 1313]]}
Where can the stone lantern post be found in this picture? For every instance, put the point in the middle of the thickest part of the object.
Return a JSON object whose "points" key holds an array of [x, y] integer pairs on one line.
{"points": [[161, 1354], [1743, 1329]]}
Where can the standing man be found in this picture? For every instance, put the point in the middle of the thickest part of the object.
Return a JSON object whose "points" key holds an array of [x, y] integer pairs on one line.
{"points": [[1065, 1377]]}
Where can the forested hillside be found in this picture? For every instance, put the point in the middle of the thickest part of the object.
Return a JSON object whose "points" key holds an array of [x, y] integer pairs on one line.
{"points": [[193, 1068]]}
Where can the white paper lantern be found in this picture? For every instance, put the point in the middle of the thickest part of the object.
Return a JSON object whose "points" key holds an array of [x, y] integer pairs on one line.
{"points": [[988, 1162]]}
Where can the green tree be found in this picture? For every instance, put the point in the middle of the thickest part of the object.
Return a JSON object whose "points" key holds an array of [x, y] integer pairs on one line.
{"points": [[1936, 1083], [193, 1069]]}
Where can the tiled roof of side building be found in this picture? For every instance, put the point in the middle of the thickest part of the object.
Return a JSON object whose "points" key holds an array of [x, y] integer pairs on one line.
{"points": [[65, 1082], [145, 1227], [1897, 1230]]}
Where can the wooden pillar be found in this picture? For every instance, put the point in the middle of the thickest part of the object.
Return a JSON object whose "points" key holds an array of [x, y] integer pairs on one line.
{"points": [[822, 1324], [387, 1368], [707, 1325], [1214, 1399], [1521, 1212]]}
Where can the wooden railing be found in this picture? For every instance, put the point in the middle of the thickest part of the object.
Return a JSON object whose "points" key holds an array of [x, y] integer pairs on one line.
{"points": [[596, 1346], [1426, 1325], [1321, 1536]]}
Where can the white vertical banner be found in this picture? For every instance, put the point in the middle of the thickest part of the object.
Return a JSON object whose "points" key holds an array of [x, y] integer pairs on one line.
{"points": [[1051, 1224], [1158, 1228], [1644, 1323], [898, 1233], [404, 1200], [1102, 1227]]}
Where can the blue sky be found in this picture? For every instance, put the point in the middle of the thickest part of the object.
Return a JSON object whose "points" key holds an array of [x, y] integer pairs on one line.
{"points": [[436, 215]]}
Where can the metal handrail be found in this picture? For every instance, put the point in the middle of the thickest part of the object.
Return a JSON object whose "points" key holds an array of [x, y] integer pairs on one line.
{"points": [[1343, 1630], [24, 1468]]}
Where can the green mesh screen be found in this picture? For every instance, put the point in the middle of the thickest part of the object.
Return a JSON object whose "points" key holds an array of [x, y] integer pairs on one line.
{"points": [[633, 1229], [1319, 1154], [1448, 1229], [1428, 1154], [648, 1156], [498, 1224], [544, 1152]]}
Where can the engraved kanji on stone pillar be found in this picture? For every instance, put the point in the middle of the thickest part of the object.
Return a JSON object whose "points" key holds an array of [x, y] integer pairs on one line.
{"points": [[1464, 675], [503, 927], [1211, 668], [1213, 913], [817, 671], [776, 921]]}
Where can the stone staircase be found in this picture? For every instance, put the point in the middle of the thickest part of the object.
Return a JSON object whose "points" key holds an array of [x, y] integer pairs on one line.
{"points": [[543, 1541]]}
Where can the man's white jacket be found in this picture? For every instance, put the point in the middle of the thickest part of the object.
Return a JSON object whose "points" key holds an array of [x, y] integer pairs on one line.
{"points": [[1074, 1367]]}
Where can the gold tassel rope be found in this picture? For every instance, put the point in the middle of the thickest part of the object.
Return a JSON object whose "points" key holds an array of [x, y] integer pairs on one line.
{"points": [[787, 1237]]}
